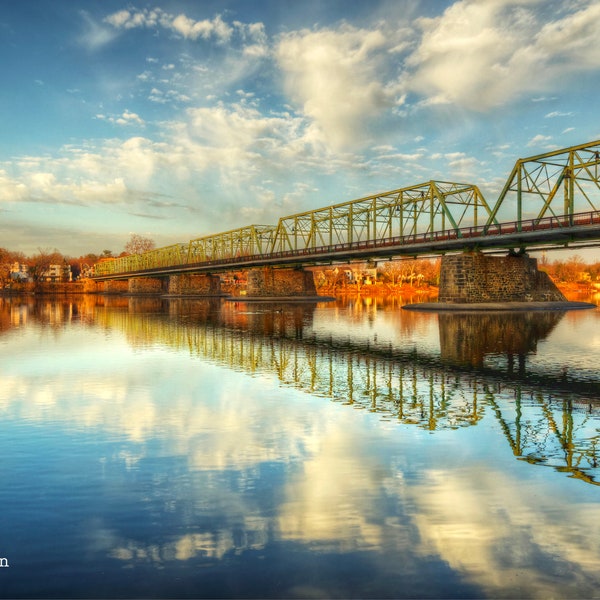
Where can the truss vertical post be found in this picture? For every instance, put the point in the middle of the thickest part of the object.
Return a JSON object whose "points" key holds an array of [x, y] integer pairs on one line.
{"points": [[570, 188]]}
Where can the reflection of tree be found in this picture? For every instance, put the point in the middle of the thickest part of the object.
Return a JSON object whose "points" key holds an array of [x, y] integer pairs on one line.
{"points": [[16, 311]]}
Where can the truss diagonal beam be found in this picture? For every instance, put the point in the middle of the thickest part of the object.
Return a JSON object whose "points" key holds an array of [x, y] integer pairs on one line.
{"points": [[422, 208], [535, 183]]}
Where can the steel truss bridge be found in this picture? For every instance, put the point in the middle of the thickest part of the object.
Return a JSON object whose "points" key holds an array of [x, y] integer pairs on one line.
{"points": [[554, 200]]}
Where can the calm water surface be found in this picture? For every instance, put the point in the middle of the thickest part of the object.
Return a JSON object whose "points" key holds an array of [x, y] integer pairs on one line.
{"points": [[169, 448]]}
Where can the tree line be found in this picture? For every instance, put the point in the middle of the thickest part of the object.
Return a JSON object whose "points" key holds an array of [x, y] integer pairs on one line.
{"points": [[571, 270], [415, 273], [39, 264], [426, 272]]}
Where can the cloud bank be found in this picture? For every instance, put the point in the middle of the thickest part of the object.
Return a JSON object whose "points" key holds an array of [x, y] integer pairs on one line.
{"points": [[221, 107]]}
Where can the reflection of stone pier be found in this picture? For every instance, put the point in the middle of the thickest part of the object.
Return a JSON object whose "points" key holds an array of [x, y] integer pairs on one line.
{"points": [[466, 338]]}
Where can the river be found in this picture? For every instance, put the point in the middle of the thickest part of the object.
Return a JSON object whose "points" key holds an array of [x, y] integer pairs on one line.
{"points": [[351, 449]]}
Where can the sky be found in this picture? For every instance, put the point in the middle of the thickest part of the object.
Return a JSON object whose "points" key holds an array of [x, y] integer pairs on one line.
{"points": [[176, 119]]}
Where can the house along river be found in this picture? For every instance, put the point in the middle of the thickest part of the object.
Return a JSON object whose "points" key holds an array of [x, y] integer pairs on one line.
{"points": [[212, 449]]}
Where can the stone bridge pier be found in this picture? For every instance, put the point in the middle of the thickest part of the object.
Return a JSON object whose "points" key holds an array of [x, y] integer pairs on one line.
{"points": [[269, 282], [474, 277], [194, 285]]}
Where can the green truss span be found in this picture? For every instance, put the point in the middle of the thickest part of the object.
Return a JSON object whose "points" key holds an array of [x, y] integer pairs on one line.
{"points": [[557, 191]]}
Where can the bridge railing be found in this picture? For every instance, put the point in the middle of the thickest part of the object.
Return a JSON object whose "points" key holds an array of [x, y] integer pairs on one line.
{"points": [[470, 235]]}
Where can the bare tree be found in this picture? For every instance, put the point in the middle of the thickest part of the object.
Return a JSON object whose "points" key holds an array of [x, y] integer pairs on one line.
{"points": [[39, 264], [413, 272], [391, 270], [6, 260], [138, 244]]}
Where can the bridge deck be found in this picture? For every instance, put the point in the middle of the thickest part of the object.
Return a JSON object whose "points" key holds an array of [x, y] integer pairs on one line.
{"points": [[560, 231]]}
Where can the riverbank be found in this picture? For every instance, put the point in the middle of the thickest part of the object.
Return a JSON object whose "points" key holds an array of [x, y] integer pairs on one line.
{"points": [[44, 288]]}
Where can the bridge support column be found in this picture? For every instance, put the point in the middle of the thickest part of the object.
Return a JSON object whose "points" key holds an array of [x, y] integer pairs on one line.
{"points": [[474, 277], [145, 285], [114, 286], [268, 282], [195, 285]]}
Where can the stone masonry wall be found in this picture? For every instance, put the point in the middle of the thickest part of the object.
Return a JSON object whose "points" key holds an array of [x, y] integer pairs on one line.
{"points": [[477, 277], [145, 285], [269, 282], [91, 287], [115, 286], [196, 285]]}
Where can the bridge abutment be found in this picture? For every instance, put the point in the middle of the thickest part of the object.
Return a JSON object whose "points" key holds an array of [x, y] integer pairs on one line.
{"points": [[268, 282], [474, 277], [195, 285]]}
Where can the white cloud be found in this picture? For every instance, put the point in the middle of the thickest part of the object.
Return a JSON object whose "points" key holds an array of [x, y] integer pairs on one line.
{"points": [[481, 54], [188, 28], [539, 140], [95, 35], [11, 190], [335, 78], [227, 149], [157, 95], [554, 114], [127, 118], [205, 29], [109, 174]]}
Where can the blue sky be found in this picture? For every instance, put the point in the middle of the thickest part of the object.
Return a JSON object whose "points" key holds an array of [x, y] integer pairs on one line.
{"points": [[177, 119]]}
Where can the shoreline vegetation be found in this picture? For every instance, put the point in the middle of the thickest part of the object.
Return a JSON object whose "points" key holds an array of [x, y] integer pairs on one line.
{"points": [[51, 273], [412, 281], [423, 292]]}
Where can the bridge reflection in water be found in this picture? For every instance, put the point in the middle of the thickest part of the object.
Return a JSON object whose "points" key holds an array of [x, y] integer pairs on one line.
{"points": [[546, 421]]}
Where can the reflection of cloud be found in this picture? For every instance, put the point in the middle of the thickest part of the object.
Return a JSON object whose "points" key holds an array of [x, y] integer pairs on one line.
{"points": [[344, 481], [222, 432], [205, 545], [487, 528], [334, 501]]}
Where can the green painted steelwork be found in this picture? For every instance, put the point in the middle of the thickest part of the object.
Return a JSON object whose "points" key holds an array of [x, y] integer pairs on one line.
{"points": [[419, 209], [435, 210], [535, 184], [246, 241]]}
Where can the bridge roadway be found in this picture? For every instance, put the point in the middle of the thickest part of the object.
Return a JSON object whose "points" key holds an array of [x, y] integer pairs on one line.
{"points": [[554, 199]]}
